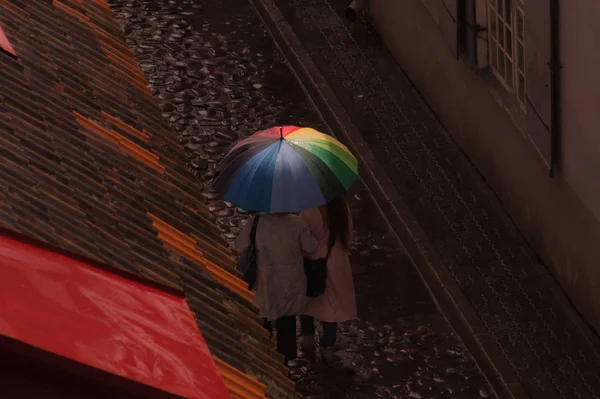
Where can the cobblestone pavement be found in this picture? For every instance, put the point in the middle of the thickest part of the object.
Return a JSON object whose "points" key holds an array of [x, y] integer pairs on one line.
{"points": [[552, 351], [218, 77]]}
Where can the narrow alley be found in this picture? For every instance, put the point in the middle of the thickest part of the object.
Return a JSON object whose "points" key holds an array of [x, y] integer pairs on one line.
{"points": [[218, 77]]}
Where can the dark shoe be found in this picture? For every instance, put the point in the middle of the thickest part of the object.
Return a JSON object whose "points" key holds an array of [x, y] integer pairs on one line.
{"points": [[307, 343], [329, 357], [341, 343]]}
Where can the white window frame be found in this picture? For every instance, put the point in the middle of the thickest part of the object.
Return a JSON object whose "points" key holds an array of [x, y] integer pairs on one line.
{"points": [[506, 45]]}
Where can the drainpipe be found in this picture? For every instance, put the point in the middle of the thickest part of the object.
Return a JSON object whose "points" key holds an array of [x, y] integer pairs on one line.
{"points": [[355, 9], [554, 86]]}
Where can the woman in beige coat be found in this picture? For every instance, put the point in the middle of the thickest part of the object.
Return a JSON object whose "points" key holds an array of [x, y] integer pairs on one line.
{"points": [[331, 225], [282, 241]]}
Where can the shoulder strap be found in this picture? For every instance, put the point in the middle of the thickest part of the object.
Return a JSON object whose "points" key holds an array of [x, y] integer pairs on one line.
{"points": [[325, 227], [253, 231]]}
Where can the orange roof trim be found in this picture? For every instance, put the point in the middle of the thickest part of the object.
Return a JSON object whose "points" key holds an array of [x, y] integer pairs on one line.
{"points": [[116, 122], [187, 247], [5, 44], [71, 11], [240, 385], [126, 145]]}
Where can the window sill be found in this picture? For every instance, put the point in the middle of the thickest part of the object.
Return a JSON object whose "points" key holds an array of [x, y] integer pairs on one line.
{"points": [[505, 99]]}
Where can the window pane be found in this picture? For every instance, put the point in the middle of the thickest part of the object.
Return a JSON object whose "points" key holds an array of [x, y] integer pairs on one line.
{"points": [[500, 34], [520, 59], [521, 90], [520, 24], [509, 73], [493, 54], [493, 4], [493, 24], [507, 13], [509, 43], [501, 65]]}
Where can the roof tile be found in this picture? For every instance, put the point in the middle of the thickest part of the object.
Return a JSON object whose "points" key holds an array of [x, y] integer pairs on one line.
{"points": [[91, 189]]}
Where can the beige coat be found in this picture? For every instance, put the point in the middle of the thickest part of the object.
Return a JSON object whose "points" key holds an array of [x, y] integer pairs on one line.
{"points": [[338, 302], [281, 242]]}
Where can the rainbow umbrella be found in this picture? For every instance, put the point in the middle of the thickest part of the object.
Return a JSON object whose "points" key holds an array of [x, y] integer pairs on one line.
{"points": [[285, 169]]}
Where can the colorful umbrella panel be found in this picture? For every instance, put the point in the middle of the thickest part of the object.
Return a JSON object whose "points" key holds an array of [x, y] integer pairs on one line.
{"points": [[285, 169]]}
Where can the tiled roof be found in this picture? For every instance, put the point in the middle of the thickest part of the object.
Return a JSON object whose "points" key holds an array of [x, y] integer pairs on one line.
{"points": [[88, 165]]}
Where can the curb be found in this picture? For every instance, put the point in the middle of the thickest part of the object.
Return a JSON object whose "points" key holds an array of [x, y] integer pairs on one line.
{"points": [[435, 275]]}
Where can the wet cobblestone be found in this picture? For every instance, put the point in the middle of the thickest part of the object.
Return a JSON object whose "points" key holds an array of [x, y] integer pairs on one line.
{"points": [[550, 348], [219, 77], [401, 347]]}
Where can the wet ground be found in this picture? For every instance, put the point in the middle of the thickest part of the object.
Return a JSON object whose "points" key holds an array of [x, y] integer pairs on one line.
{"points": [[401, 346], [219, 77]]}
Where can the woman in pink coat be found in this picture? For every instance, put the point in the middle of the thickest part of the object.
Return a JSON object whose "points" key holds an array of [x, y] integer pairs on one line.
{"points": [[332, 227]]}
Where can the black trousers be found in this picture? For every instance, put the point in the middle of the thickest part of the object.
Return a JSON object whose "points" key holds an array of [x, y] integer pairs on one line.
{"points": [[286, 336], [267, 325], [307, 325]]}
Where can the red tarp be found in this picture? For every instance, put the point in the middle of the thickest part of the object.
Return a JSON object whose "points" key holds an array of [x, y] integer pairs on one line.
{"points": [[5, 44], [101, 319]]}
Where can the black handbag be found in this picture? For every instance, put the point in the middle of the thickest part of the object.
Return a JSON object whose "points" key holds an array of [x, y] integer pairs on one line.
{"points": [[247, 262], [316, 276]]}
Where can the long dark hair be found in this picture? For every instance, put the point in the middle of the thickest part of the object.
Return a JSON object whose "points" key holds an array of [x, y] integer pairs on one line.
{"points": [[335, 214]]}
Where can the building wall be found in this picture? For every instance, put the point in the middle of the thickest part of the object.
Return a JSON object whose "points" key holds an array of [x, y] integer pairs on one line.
{"points": [[580, 90], [551, 214]]}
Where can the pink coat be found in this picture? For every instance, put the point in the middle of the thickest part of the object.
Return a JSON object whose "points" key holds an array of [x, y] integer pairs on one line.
{"points": [[338, 303]]}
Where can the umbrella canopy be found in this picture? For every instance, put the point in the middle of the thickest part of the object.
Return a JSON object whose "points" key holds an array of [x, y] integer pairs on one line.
{"points": [[285, 169]]}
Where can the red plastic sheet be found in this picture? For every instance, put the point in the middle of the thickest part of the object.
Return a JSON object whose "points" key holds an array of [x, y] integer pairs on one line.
{"points": [[5, 44], [92, 316]]}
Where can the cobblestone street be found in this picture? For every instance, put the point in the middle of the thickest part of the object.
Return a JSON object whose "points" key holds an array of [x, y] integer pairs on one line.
{"points": [[401, 346], [219, 77], [535, 338]]}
